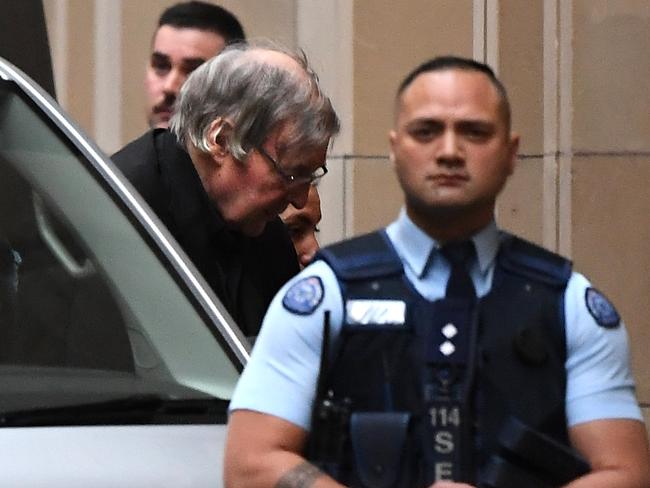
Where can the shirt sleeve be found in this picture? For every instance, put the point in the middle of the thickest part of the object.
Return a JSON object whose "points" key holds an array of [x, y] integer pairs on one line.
{"points": [[280, 378], [599, 381]]}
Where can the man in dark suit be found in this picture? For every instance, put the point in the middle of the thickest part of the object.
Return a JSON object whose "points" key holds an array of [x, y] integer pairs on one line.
{"points": [[249, 136]]}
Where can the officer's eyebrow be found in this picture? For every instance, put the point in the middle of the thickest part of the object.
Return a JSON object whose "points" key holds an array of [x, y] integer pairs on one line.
{"points": [[462, 121], [423, 121], [476, 124]]}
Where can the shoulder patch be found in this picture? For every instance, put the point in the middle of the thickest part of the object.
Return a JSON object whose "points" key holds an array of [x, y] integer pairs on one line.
{"points": [[601, 309], [304, 296]]}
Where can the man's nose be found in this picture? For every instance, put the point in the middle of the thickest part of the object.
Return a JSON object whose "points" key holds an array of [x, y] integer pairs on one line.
{"points": [[298, 195], [173, 82], [449, 150], [309, 248]]}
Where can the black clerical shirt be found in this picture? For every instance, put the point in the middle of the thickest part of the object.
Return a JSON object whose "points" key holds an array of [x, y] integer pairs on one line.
{"points": [[244, 272]]}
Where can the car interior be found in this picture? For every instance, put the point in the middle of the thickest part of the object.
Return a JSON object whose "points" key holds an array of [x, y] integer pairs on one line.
{"points": [[56, 308]]}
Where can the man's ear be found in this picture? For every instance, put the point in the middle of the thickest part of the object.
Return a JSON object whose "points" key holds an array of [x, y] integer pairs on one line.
{"points": [[392, 135], [218, 136], [514, 149]]}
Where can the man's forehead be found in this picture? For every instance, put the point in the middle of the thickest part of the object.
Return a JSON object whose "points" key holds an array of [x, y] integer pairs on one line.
{"points": [[450, 88], [187, 42]]}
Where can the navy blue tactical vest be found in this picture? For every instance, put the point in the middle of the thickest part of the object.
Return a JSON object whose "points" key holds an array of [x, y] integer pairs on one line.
{"points": [[381, 419]]}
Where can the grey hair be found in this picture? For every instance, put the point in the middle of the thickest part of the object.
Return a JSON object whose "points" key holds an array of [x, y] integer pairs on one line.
{"points": [[257, 97]]}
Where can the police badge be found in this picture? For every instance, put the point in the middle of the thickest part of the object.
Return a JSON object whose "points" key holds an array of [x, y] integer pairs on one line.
{"points": [[601, 309], [304, 296]]}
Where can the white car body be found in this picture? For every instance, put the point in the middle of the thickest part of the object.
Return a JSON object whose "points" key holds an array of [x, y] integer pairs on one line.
{"points": [[180, 456]]}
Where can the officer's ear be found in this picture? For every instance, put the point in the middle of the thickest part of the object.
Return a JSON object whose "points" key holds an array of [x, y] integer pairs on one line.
{"points": [[392, 136], [513, 149], [218, 137]]}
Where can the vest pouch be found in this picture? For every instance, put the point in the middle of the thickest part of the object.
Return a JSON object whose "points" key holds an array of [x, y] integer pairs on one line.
{"points": [[378, 442]]}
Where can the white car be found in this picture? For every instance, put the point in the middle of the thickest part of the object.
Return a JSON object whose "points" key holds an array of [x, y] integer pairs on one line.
{"points": [[117, 361]]}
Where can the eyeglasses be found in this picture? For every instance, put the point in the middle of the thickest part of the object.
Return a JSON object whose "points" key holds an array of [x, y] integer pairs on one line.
{"points": [[294, 179]]}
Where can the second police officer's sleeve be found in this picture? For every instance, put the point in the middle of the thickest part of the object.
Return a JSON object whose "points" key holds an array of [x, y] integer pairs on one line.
{"points": [[599, 381], [280, 378]]}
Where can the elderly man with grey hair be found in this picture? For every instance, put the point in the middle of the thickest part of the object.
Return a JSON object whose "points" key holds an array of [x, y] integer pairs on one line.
{"points": [[249, 135]]}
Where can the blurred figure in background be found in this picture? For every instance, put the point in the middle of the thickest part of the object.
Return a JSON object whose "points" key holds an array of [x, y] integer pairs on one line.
{"points": [[188, 34], [302, 225]]}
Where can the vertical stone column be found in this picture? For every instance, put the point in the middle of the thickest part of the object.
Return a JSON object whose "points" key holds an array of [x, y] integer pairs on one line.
{"points": [[610, 161], [389, 39]]}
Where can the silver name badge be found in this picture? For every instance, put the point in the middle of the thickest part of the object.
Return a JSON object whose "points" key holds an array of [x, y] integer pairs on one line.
{"points": [[382, 312]]}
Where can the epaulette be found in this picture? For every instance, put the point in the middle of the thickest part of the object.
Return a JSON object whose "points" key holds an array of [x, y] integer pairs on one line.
{"points": [[524, 258], [367, 256]]}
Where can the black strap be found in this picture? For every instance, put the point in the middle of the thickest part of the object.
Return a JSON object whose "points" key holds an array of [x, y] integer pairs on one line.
{"points": [[369, 256]]}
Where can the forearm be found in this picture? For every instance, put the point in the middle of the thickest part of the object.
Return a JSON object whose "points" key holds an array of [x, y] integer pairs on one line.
{"points": [[281, 469], [263, 451], [617, 451]]}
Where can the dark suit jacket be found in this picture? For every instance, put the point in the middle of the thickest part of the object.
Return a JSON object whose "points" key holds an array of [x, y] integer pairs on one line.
{"points": [[244, 272]]}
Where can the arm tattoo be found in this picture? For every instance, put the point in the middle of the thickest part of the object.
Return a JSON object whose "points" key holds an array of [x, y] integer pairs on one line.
{"points": [[302, 476]]}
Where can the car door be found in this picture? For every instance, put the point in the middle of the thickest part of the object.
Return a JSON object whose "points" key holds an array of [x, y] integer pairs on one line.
{"points": [[116, 359]]}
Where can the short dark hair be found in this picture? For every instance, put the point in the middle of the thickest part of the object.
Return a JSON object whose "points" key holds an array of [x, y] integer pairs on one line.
{"points": [[444, 63], [204, 16]]}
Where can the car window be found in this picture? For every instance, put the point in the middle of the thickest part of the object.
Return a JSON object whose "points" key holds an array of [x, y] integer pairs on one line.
{"points": [[57, 309], [82, 289]]}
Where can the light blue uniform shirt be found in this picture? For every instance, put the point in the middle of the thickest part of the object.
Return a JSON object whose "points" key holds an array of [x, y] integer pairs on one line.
{"points": [[281, 377]]}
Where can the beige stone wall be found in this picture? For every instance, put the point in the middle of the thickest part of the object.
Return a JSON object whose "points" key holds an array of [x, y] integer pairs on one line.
{"points": [[389, 39], [576, 71], [610, 161]]}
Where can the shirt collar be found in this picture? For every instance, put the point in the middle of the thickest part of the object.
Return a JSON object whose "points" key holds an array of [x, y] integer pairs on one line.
{"points": [[486, 242], [415, 247]]}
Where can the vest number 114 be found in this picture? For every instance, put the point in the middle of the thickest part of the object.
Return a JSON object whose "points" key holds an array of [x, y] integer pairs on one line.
{"points": [[444, 416]]}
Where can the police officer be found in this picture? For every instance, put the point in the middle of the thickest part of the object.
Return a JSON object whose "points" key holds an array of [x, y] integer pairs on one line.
{"points": [[440, 351]]}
